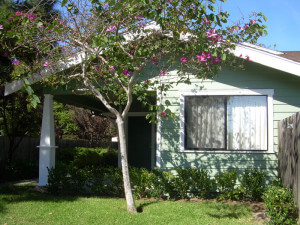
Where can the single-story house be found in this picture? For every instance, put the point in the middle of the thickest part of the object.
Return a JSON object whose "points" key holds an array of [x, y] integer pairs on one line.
{"points": [[229, 121]]}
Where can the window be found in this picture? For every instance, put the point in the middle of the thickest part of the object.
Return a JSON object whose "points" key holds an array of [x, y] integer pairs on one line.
{"points": [[237, 120]]}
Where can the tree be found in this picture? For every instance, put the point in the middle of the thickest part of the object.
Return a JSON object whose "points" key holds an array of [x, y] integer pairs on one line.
{"points": [[117, 40], [14, 120]]}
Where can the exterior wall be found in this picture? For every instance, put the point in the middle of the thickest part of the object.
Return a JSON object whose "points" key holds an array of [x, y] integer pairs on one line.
{"points": [[285, 102]]}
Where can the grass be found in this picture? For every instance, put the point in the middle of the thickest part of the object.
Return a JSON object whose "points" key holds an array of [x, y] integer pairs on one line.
{"points": [[18, 205]]}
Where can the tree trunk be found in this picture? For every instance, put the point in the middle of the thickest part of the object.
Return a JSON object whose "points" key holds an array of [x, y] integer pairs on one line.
{"points": [[124, 162]]}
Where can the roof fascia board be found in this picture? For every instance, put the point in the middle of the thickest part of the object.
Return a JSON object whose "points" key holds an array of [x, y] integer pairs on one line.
{"points": [[16, 85], [268, 59]]}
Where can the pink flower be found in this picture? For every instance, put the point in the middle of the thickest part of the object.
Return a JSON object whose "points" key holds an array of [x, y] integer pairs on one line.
{"points": [[42, 26], [216, 60], [18, 13], [183, 60], [201, 58], [163, 114], [1, 27], [112, 69], [31, 16], [154, 62], [246, 25], [217, 38], [169, 1], [15, 62], [142, 25], [140, 17], [162, 72], [6, 54], [206, 21], [111, 28], [126, 72], [46, 63], [248, 58], [253, 21], [211, 33], [206, 55], [11, 18], [233, 29]]}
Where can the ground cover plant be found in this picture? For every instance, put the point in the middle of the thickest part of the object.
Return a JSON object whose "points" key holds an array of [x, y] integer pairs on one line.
{"points": [[20, 205]]}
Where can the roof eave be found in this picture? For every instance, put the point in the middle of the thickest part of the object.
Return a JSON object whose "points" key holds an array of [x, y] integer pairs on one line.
{"points": [[268, 58]]}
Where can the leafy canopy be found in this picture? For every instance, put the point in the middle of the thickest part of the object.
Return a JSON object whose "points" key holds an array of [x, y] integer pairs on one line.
{"points": [[124, 42]]}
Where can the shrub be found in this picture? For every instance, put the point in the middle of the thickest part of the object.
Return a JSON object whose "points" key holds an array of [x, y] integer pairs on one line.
{"points": [[226, 183], [191, 182], [280, 205], [160, 183], [107, 181], [201, 183], [82, 157], [140, 181], [68, 180], [252, 184], [181, 184]]}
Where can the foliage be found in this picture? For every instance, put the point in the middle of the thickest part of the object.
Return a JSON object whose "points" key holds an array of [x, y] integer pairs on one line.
{"points": [[67, 180], [92, 127], [81, 157], [107, 181], [226, 183], [191, 182], [201, 183], [141, 182], [252, 184], [64, 125], [280, 205]]}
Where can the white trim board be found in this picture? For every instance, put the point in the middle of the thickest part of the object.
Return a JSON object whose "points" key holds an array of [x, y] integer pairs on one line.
{"points": [[36, 77], [267, 58]]}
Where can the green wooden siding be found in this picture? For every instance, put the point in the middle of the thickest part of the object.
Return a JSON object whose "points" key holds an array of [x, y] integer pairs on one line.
{"points": [[285, 103]]}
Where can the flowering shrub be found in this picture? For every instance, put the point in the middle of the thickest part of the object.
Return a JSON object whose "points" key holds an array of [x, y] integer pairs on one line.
{"points": [[280, 205]]}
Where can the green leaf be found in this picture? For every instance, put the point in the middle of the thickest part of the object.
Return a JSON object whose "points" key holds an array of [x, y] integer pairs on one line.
{"points": [[265, 18], [211, 8], [26, 82], [70, 6], [39, 24], [63, 3], [223, 57]]}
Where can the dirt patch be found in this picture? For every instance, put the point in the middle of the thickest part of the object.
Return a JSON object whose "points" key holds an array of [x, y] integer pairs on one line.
{"points": [[258, 208]]}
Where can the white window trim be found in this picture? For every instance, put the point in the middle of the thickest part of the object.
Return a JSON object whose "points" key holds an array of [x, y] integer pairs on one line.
{"points": [[238, 92]]}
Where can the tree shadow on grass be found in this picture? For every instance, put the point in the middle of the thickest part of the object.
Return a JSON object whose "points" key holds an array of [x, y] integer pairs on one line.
{"points": [[141, 207], [229, 211], [10, 193]]}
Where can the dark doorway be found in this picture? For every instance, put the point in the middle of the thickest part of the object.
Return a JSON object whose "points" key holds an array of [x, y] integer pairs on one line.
{"points": [[139, 142]]}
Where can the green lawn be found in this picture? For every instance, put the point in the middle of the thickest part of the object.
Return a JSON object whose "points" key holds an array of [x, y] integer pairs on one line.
{"points": [[18, 205]]}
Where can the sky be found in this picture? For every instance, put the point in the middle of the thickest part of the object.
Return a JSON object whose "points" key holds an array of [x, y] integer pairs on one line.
{"points": [[283, 24], [283, 20]]}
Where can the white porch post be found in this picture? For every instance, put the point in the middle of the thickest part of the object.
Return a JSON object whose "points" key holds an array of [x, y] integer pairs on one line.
{"points": [[47, 141]]}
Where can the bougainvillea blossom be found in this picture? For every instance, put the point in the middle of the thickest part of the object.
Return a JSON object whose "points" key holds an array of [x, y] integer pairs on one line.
{"points": [[111, 28]]}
